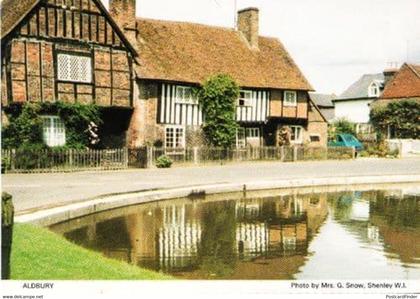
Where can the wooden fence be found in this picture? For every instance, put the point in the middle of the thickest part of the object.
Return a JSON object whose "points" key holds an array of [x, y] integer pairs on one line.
{"points": [[200, 155], [52, 160]]}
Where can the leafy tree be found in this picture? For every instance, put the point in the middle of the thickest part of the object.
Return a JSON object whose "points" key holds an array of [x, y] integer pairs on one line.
{"points": [[218, 97], [342, 126], [402, 116]]}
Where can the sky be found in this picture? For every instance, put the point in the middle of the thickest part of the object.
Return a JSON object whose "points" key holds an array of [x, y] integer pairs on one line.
{"points": [[334, 42]]}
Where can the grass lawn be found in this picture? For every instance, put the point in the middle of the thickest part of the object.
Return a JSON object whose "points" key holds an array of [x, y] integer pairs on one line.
{"points": [[38, 253]]}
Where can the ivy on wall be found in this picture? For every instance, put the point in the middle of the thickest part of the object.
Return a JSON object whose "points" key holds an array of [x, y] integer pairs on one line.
{"points": [[218, 96], [24, 128], [402, 116]]}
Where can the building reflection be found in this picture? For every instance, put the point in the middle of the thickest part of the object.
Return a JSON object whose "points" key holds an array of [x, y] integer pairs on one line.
{"points": [[250, 238], [389, 219]]}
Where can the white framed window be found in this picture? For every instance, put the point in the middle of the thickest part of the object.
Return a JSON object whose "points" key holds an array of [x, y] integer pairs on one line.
{"points": [[373, 90], [252, 132], [74, 68], [184, 95], [53, 130], [245, 98], [174, 137], [296, 135], [240, 137], [290, 98]]}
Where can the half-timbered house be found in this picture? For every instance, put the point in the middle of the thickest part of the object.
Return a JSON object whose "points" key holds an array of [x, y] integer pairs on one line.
{"points": [[70, 51], [176, 56]]}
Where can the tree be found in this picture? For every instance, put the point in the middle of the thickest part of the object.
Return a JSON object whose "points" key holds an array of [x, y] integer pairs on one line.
{"points": [[218, 97], [342, 126], [402, 116]]}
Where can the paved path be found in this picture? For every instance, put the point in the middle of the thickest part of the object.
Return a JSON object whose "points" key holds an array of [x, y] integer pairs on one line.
{"points": [[32, 191]]}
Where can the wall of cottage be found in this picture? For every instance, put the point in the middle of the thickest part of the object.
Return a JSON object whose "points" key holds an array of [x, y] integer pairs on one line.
{"points": [[145, 129], [29, 67], [317, 126], [277, 109]]}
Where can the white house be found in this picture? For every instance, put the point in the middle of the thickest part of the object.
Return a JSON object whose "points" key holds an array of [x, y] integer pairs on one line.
{"points": [[354, 103]]}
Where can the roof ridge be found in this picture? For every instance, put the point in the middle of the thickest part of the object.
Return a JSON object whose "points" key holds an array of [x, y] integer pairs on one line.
{"points": [[412, 68], [185, 22], [231, 29]]}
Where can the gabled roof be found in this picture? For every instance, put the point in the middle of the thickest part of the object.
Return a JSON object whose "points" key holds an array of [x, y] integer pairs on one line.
{"points": [[14, 11], [313, 104], [322, 99], [404, 84], [187, 52], [359, 89]]}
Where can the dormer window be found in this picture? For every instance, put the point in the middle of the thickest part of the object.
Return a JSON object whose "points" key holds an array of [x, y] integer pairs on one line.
{"points": [[373, 90]]}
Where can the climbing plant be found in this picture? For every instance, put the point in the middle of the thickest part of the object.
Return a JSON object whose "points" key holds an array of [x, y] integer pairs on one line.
{"points": [[25, 123], [403, 116], [217, 97]]}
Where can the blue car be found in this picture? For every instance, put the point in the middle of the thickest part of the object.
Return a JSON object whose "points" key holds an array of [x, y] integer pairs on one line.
{"points": [[346, 140]]}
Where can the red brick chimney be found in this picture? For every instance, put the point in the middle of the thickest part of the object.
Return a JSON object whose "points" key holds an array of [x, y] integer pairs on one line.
{"points": [[124, 14], [248, 24]]}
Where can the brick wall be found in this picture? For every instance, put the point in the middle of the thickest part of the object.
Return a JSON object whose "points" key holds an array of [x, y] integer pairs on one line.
{"points": [[316, 126]]}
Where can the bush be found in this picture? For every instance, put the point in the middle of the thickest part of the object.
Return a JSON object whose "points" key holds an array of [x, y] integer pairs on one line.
{"points": [[25, 127], [403, 116], [379, 150], [218, 97], [341, 126], [163, 162]]}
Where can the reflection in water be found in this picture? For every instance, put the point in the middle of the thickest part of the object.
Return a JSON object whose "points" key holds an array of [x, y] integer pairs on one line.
{"points": [[361, 235]]}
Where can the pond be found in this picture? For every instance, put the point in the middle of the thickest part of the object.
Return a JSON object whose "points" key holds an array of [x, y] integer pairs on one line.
{"points": [[358, 234]]}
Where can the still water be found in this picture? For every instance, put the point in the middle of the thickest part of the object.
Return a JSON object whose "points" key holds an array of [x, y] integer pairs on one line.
{"points": [[351, 234]]}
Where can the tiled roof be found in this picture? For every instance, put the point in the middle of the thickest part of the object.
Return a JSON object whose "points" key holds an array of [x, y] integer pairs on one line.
{"points": [[404, 84], [12, 12], [322, 99], [359, 89], [187, 52]]}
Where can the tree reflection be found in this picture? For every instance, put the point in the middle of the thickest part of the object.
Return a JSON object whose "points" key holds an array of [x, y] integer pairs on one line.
{"points": [[217, 248]]}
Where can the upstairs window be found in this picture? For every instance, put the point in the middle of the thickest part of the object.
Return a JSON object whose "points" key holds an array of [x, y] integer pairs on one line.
{"points": [[74, 68], [245, 98], [184, 95], [54, 132], [373, 90], [290, 98]]}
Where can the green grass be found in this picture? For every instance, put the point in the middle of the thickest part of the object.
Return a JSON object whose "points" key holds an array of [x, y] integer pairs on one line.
{"points": [[38, 253]]}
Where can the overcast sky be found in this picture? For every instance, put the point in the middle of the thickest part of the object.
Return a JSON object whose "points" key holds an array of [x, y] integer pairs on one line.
{"points": [[333, 42]]}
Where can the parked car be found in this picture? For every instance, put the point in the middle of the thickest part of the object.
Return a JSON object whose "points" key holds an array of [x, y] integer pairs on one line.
{"points": [[346, 140]]}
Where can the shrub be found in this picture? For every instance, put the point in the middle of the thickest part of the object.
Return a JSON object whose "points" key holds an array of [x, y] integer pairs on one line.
{"points": [[218, 97], [163, 162], [403, 116], [341, 126], [25, 125]]}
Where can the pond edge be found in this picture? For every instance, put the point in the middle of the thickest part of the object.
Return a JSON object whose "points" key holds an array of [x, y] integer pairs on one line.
{"points": [[50, 216]]}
